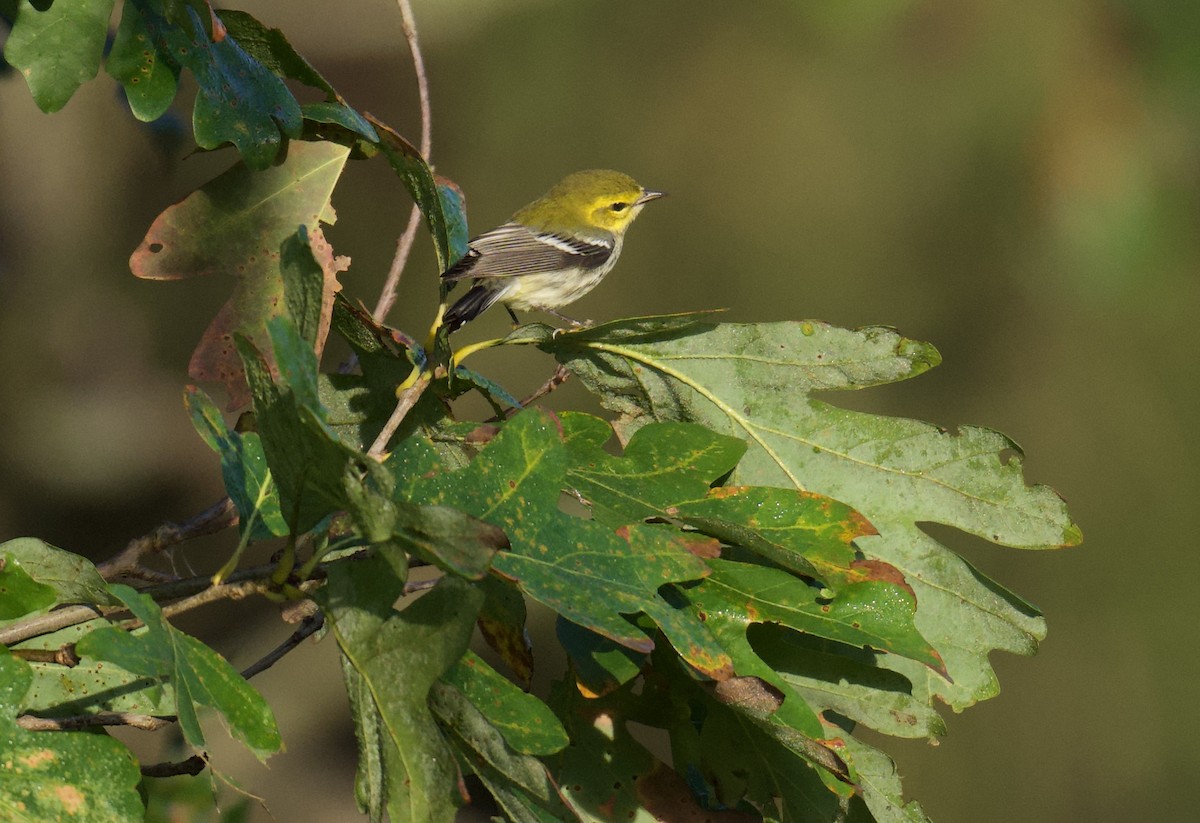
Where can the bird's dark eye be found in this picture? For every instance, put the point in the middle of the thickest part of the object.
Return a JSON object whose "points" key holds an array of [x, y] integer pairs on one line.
{"points": [[619, 206]]}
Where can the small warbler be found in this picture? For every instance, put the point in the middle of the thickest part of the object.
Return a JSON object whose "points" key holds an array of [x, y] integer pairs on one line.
{"points": [[553, 251]]}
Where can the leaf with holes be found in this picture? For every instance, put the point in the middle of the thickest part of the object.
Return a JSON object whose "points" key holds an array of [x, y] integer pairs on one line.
{"points": [[236, 224]]}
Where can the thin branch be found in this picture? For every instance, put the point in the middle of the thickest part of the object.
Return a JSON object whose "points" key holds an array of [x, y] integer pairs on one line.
{"points": [[311, 625], [193, 766], [407, 399], [195, 591], [62, 656], [391, 286], [216, 517], [222, 591], [561, 375], [83, 721], [421, 585], [47, 623]]}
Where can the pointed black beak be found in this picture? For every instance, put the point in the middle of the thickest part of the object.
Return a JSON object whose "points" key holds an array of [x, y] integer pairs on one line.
{"points": [[648, 195]]}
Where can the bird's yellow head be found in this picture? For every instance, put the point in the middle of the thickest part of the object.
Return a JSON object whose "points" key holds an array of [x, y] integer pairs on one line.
{"points": [[596, 199]]}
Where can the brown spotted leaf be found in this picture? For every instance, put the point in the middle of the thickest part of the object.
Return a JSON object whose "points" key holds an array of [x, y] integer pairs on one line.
{"points": [[584, 570], [59, 775], [235, 225]]}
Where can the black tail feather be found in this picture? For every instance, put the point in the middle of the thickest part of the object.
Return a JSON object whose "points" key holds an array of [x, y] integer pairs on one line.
{"points": [[468, 307]]}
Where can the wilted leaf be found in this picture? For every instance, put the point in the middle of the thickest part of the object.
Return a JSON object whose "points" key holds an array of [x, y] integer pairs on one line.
{"points": [[78, 776], [502, 624], [752, 381], [236, 224], [199, 675], [310, 283], [58, 50]]}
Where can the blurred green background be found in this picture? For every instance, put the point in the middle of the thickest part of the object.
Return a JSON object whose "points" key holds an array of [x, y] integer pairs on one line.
{"points": [[1018, 183]]}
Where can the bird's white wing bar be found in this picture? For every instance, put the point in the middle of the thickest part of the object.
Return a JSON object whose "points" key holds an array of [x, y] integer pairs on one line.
{"points": [[514, 249]]}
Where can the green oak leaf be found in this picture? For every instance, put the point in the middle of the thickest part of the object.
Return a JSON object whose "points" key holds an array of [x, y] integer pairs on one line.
{"points": [[582, 569], [397, 656], [77, 776], [599, 665], [236, 224], [240, 101], [526, 723], [754, 382], [93, 685], [58, 50], [316, 472], [662, 465], [36, 576], [666, 471], [199, 675], [22, 595], [150, 79], [360, 404], [243, 468], [879, 782], [849, 681], [518, 782], [319, 474], [444, 212]]}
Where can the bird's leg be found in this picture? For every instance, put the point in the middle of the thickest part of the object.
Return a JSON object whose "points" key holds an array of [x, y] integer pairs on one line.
{"points": [[579, 324], [512, 314]]}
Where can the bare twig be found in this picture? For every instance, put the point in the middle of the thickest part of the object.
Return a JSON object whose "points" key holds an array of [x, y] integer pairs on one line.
{"points": [[219, 516], [47, 623], [195, 591], [407, 399], [413, 587], [84, 721], [391, 286], [222, 591], [311, 625], [193, 766], [63, 656], [561, 375]]}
